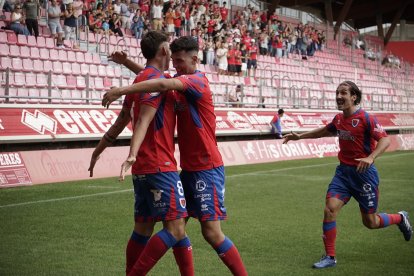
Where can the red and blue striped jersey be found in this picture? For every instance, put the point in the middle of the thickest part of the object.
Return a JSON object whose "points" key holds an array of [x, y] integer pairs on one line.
{"points": [[196, 124], [156, 153], [357, 134]]}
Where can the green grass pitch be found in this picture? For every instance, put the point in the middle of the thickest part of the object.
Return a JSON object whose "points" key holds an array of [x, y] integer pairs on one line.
{"points": [[275, 213]]}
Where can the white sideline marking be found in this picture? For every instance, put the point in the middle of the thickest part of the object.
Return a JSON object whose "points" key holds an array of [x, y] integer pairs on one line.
{"points": [[230, 176]]}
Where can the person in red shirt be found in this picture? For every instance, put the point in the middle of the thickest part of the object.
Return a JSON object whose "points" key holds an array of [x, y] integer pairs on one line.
{"points": [[238, 59], [252, 59], [231, 59], [361, 141], [159, 194], [201, 162]]}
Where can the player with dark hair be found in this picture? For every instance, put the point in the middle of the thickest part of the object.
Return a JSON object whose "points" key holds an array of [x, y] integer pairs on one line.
{"points": [[361, 141], [159, 194], [202, 166], [275, 124]]}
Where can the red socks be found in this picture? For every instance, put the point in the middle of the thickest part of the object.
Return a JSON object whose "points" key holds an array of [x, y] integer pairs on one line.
{"points": [[329, 237], [183, 253], [230, 256]]}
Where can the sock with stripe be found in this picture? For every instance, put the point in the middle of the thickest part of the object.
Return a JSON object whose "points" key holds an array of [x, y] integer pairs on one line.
{"points": [[156, 247], [136, 245], [230, 256], [183, 253], [388, 219], [329, 237]]}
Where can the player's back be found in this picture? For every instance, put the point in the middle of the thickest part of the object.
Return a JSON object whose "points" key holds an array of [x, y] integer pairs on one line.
{"points": [[196, 124]]}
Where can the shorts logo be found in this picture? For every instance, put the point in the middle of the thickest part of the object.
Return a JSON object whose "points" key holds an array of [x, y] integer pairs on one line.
{"points": [[182, 202], [200, 185], [355, 122], [204, 207], [157, 194], [367, 187]]}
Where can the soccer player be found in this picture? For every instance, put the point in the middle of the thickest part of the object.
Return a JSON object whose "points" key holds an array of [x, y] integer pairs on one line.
{"points": [[356, 176], [276, 125], [159, 194], [202, 166]]}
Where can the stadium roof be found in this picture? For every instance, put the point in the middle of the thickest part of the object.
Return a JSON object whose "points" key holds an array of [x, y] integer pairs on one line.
{"points": [[357, 13]]}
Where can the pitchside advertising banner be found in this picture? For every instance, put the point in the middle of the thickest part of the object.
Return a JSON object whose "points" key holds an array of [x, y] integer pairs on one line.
{"points": [[57, 123], [50, 166]]}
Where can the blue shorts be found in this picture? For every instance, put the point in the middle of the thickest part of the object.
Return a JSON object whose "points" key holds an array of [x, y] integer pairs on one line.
{"points": [[204, 192], [363, 187], [159, 197]]}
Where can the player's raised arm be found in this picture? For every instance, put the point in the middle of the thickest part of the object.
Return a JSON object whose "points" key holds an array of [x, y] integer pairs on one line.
{"points": [[121, 57], [316, 133], [145, 116], [155, 85]]}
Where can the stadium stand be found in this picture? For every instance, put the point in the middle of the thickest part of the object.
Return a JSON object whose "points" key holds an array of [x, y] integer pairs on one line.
{"points": [[30, 67]]}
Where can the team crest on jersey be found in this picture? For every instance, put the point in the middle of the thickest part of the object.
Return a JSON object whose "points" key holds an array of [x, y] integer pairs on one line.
{"points": [[355, 122], [182, 202]]}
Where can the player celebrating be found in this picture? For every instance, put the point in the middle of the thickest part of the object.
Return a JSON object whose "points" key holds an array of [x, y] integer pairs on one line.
{"points": [[158, 190], [356, 175], [203, 171]]}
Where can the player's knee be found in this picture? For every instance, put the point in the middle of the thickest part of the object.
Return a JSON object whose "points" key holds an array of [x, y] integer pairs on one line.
{"points": [[212, 236], [330, 213]]}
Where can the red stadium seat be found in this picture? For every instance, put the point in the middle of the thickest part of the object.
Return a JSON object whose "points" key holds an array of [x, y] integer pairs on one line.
{"points": [[34, 53], [88, 58], [18, 79], [11, 37], [57, 67], [25, 52], [59, 81], [67, 68], [71, 81], [21, 39], [62, 55], [31, 41], [84, 69], [54, 54], [5, 62], [102, 70], [14, 50], [93, 70], [44, 53], [41, 80], [99, 85], [76, 68], [17, 64], [80, 82], [41, 42], [50, 43], [96, 58], [80, 57], [28, 64], [30, 79], [4, 49], [47, 66], [72, 56]]}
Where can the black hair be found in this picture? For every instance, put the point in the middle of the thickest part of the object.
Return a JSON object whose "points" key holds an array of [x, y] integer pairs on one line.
{"points": [[280, 111], [184, 43], [151, 42], [354, 89]]}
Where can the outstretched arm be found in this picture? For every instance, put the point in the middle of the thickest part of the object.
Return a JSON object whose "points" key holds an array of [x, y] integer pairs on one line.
{"points": [[316, 133], [110, 136], [145, 116], [155, 85]]}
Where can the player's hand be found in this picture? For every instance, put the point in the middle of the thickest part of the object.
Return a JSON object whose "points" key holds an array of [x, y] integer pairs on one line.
{"points": [[364, 163], [291, 136], [125, 167], [112, 95], [119, 57], [92, 164]]}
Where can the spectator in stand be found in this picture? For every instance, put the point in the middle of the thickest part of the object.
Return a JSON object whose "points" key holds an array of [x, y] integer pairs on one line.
{"points": [[117, 6], [157, 15], [252, 59], [31, 12], [279, 46], [231, 59], [221, 54], [55, 27], [238, 59], [134, 4], [125, 14], [233, 98], [210, 51], [17, 20], [145, 6], [137, 26], [275, 124], [178, 17], [224, 12], [115, 25], [169, 21], [243, 51], [77, 10], [70, 22], [264, 42]]}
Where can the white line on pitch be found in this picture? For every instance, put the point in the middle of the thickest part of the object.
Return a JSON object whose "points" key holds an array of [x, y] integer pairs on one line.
{"points": [[129, 190]]}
